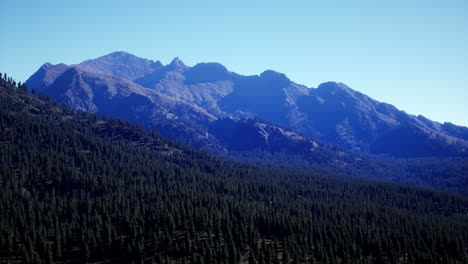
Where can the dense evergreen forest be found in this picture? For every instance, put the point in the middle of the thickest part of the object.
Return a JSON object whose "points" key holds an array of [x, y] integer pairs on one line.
{"points": [[442, 173], [77, 189]]}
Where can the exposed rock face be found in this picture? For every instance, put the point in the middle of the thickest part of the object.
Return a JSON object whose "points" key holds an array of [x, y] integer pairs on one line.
{"points": [[246, 134], [208, 106], [46, 75], [115, 96], [121, 64]]}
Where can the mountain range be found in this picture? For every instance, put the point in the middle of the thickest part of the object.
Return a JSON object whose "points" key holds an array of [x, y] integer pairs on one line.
{"points": [[209, 107]]}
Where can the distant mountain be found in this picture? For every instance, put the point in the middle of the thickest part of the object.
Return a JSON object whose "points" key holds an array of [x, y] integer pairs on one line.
{"points": [[336, 113], [207, 96], [112, 95]]}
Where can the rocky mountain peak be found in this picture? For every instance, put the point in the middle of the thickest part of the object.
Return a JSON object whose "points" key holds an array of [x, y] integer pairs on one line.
{"points": [[177, 64], [207, 72], [120, 64], [46, 66], [117, 54], [274, 80], [334, 88], [274, 75]]}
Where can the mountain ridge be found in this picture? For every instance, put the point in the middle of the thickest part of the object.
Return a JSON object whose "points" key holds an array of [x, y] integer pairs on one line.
{"points": [[332, 112], [114, 96]]}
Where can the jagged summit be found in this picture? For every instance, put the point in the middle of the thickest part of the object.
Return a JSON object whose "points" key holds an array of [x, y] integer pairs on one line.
{"points": [[177, 64], [49, 65], [46, 65], [177, 61]]}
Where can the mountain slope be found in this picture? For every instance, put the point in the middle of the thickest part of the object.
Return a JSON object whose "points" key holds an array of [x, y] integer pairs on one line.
{"points": [[355, 120], [333, 112], [175, 117], [78, 189]]}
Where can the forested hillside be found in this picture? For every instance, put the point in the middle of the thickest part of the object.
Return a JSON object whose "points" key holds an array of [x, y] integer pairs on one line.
{"points": [[442, 173], [77, 189]]}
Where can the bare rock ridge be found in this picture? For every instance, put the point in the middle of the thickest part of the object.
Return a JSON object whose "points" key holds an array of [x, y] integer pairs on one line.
{"points": [[210, 107], [121, 64]]}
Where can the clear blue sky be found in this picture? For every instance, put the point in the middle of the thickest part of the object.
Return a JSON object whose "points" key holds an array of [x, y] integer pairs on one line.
{"points": [[410, 53]]}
